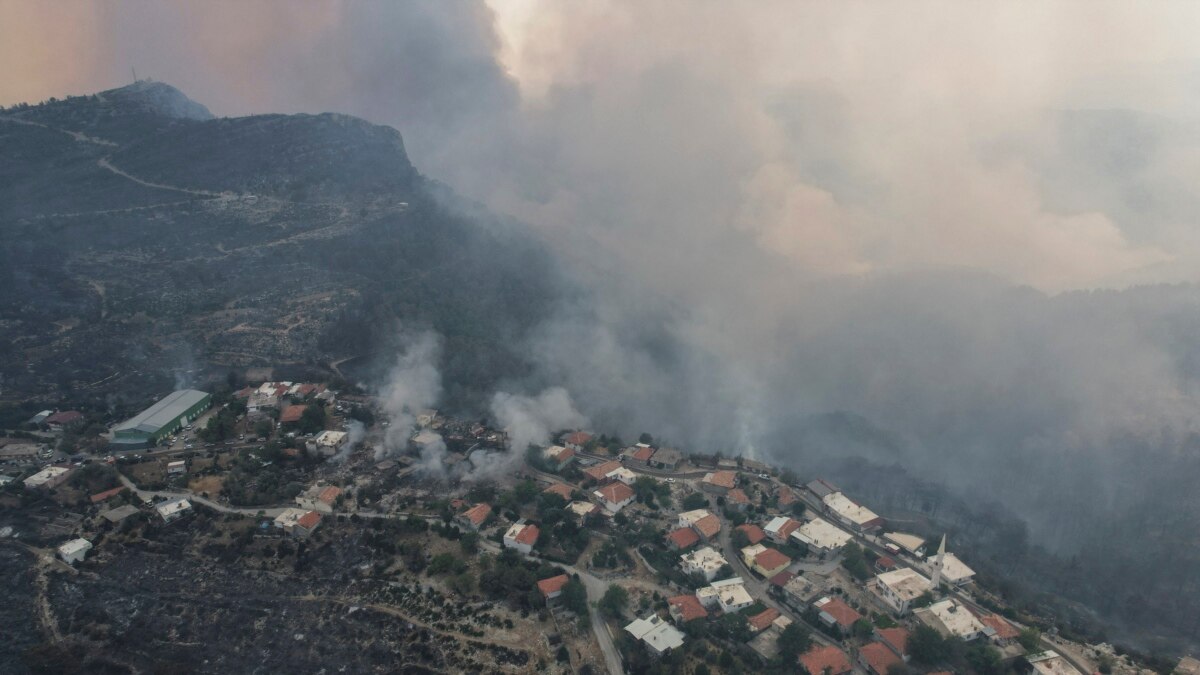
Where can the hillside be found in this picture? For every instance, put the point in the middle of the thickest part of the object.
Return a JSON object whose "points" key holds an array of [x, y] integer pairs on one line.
{"points": [[144, 240]]}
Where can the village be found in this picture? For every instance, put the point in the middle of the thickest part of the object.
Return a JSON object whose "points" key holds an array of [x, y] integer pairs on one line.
{"points": [[589, 554]]}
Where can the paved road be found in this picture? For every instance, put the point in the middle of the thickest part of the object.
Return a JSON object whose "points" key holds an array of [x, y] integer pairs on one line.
{"points": [[269, 512]]}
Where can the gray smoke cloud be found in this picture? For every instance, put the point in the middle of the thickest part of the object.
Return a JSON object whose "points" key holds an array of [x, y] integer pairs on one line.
{"points": [[528, 421], [413, 384]]}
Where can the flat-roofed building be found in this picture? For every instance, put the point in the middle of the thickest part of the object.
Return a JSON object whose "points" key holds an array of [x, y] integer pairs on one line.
{"points": [[1051, 662], [706, 562], [851, 513], [899, 588], [657, 635], [821, 537], [950, 618], [909, 543], [954, 571], [48, 478], [74, 551], [728, 595], [167, 416], [328, 442], [173, 510]]}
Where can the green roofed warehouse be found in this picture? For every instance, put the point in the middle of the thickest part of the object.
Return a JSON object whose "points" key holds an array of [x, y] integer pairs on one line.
{"points": [[161, 419]]}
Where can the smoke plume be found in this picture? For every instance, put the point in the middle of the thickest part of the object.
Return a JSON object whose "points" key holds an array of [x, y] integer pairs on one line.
{"points": [[412, 385]]}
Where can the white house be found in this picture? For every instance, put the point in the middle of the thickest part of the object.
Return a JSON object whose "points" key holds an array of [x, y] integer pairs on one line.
{"points": [[950, 618], [658, 635], [954, 571], [614, 496], [730, 595], [74, 551], [176, 467], [327, 443], [48, 478], [706, 562], [780, 528], [851, 513], [899, 588], [521, 536], [298, 522], [909, 543], [821, 537], [173, 510]]}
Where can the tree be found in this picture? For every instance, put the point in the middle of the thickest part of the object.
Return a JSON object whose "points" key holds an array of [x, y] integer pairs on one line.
{"points": [[927, 647], [862, 628], [984, 659], [646, 438], [469, 542], [312, 420], [574, 597], [788, 477], [694, 501], [740, 539], [614, 601], [855, 562], [1030, 638], [263, 428], [793, 641]]}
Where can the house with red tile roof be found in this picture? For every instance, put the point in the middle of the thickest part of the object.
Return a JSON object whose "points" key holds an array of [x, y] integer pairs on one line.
{"points": [[614, 496], [561, 489], [558, 457], [292, 414], [552, 588], [835, 613], [719, 482], [765, 561], [521, 536], [637, 455], [786, 496], [475, 516], [319, 498], [763, 620], [682, 539], [107, 494], [599, 473], [825, 660], [686, 608], [754, 533], [876, 658], [737, 499], [62, 420], [576, 440], [780, 528], [896, 640], [1003, 632]]}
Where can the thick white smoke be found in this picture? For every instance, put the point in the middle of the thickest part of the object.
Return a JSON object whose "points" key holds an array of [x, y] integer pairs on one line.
{"points": [[413, 384], [355, 433], [528, 421]]}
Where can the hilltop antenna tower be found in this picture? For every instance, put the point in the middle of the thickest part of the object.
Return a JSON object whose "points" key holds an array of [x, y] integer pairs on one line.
{"points": [[134, 75], [938, 563]]}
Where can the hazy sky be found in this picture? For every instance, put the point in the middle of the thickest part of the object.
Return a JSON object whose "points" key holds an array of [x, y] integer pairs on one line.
{"points": [[841, 138]]}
